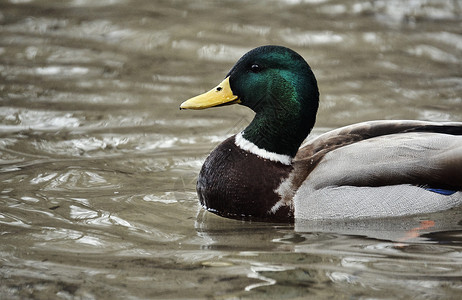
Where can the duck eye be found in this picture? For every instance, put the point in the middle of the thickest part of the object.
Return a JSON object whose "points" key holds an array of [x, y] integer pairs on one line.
{"points": [[255, 68]]}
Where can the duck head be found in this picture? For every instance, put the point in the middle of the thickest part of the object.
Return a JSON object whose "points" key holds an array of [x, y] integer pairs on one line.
{"points": [[279, 86]]}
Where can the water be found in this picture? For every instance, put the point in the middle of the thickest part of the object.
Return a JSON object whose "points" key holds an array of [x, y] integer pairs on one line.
{"points": [[98, 165]]}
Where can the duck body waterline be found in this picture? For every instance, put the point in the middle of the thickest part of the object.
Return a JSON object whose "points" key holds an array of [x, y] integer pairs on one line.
{"points": [[371, 169]]}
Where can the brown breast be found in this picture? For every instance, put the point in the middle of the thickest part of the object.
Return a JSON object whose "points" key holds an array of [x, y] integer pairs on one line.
{"points": [[237, 184]]}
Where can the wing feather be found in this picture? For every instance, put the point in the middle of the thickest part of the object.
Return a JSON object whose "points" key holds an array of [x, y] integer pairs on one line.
{"points": [[382, 153]]}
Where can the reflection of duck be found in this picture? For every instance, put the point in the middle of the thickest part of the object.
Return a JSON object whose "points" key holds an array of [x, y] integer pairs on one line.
{"points": [[371, 169]]}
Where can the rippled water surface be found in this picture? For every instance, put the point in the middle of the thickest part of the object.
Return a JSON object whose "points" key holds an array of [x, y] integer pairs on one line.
{"points": [[98, 165]]}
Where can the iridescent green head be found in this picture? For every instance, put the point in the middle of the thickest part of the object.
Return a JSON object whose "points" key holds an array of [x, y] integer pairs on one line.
{"points": [[279, 86]]}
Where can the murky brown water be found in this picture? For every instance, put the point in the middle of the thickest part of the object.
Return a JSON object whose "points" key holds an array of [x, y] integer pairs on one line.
{"points": [[98, 165]]}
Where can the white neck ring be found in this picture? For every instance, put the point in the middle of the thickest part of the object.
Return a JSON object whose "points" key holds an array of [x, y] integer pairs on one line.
{"points": [[247, 145]]}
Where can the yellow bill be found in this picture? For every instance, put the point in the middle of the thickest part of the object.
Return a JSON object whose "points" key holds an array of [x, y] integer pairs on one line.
{"points": [[219, 95]]}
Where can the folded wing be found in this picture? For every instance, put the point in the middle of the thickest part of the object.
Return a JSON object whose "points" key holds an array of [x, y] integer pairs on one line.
{"points": [[382, 153]]}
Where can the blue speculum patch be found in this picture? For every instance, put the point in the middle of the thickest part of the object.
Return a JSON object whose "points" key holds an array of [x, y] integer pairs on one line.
{"points": [[441, 191]]}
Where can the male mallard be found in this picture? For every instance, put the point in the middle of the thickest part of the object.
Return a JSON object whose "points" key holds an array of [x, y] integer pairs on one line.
{"points": [[370, 169]]}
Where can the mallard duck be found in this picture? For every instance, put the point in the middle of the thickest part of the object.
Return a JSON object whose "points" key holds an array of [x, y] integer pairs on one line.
{"points": [[371, 169]]}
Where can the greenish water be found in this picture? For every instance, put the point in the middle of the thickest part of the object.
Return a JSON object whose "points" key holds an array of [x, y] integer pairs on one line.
{"points": [[98, 165]]}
